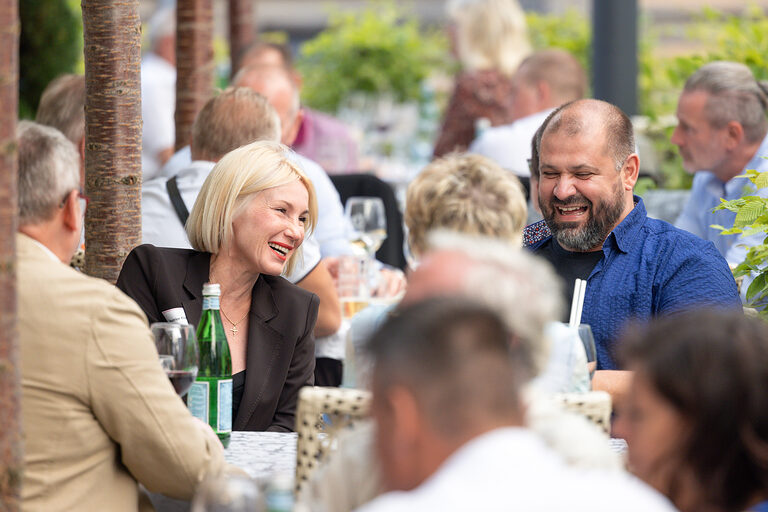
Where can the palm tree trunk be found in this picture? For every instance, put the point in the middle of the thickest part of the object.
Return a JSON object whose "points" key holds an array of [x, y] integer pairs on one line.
{"points": [[241, 34], [11, 458], [112, 32], [194, 63]]}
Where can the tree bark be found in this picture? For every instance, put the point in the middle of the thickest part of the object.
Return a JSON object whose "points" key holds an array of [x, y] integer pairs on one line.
{"points": [[241, 34], [194, 63], [112, 32], [11, 458]]}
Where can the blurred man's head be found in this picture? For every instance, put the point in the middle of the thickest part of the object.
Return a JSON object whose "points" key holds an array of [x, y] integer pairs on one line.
{"points": [[266, 54], [278, 86], [445, 371], [62, 106], [547, 79], [721, 119], [521, 288], [50, 209], [587, 171], [161, 30], [233, 118]]}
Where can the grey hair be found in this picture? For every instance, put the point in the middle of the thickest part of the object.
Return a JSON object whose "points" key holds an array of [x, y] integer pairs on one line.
{"points": [[49, 168], [62, 106], [734, 95], [521, 288]]}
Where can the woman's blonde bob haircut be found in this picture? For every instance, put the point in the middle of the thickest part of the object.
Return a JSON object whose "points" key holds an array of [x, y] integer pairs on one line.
{"points": [[490, 34], [233, 182], [468, 194]]}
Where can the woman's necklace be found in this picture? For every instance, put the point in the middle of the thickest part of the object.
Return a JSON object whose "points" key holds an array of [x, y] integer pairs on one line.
{"points": [[234, 328]]}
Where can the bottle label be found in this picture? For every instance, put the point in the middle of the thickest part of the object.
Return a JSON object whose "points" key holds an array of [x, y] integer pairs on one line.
{"points": [[197, 400], [210, 302], [225, 406]]}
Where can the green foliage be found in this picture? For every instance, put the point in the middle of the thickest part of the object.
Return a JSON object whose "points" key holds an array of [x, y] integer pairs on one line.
{"points": [[751, 218], [50, 44], [377, 50], [570, 31], [740, 38]]}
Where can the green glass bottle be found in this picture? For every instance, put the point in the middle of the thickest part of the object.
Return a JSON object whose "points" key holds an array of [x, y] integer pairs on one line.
{"points": [[210, 397]]}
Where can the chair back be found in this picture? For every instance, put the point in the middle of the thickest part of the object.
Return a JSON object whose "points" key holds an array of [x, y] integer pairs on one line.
{"points": [[321, 414], [594, 405]]}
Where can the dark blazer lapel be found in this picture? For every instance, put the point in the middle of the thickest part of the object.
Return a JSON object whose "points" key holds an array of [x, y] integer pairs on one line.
{"points": [[198, 267], [264, 346]]}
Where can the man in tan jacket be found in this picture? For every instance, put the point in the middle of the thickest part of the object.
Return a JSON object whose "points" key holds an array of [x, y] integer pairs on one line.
{"points": [[99, 414]]}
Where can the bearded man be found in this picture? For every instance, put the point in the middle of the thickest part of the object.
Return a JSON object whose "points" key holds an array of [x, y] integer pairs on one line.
{"points": [[596, 229]]}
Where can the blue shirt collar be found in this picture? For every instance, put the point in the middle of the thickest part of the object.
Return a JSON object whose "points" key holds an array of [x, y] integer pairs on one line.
{"points": [[626, 232]]}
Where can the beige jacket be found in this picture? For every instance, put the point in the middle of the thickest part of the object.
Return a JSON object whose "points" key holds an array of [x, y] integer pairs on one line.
{"points": [[98, 412]]}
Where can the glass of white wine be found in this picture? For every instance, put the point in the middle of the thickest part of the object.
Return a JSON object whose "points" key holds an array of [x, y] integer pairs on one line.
{"points": [[369, 222]]}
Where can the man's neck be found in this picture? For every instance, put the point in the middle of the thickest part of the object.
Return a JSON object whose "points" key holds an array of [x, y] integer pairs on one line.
{"points": [[41, 233], [738, 161]]}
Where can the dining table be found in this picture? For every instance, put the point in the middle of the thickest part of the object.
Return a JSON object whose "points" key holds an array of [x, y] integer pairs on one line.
{"points": [[260, 454]]}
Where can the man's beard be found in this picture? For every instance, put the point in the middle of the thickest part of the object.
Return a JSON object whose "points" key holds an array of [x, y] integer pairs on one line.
{"points": [[591, 234]]}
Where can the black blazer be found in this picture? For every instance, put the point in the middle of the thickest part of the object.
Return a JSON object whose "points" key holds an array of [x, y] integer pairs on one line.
{"points": [[280, 356]]}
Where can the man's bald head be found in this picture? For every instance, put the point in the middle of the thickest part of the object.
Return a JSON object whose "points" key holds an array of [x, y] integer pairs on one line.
{"points": [[277, 85], [597, 119]]}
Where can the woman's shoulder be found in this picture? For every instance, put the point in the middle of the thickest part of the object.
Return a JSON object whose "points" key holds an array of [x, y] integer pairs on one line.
{"points": [[150, 260], [152, 251]]}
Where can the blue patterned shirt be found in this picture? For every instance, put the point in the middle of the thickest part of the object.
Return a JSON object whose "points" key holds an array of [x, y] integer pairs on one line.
{"points": [[648, 268]]}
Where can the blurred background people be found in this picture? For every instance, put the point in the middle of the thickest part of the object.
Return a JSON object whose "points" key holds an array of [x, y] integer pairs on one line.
{"points": [[100, 416], [721, 132], [247, 225], [158, 93], [696, 419], [545, 80], [321, 137], [449, 416], [62, 106], [490, 39]]}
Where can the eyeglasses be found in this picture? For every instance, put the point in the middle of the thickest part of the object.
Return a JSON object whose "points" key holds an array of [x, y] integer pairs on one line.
{"points": [[81, 198]]}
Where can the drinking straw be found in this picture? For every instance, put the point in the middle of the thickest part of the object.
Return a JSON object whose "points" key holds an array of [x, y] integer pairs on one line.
{"points": [[582, 293], [574, 302]]}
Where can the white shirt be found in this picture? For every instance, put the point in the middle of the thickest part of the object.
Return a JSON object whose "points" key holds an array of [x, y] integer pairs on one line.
{"points": [[161, 226], [509, 145], [158, 105], [511, 469]]}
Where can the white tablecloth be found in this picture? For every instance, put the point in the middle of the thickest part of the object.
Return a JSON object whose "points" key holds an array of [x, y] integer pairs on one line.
{"points": [[260, 454]]}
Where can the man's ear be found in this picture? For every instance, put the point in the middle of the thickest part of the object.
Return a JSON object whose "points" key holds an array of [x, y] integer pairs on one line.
{"points": [[294, 132], [544, 94], [734, 133], [631, 171], [71, 211], [406, 415]]}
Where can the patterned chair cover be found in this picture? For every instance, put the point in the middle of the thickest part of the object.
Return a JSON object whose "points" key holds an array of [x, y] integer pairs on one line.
{"points": [[322, 413]]}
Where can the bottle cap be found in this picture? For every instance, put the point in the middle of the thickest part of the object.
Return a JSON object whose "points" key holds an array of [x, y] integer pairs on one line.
{"points": [[212, 289]]}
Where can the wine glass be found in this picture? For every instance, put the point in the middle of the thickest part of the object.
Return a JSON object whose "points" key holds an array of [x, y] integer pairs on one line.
{"points": [[588, 340], [177, 348], [228, 492], [369, 222]]}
